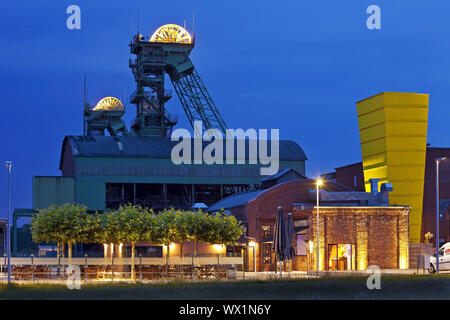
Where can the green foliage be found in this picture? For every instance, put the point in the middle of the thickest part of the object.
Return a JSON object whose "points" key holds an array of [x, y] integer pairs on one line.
{"points": [[165, 230], [62, 224], [227, 229], [69, 223], [131, 224]]}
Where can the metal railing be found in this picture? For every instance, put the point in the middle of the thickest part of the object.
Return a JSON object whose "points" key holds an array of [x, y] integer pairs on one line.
{"points": [[175, 260], [194, 267]]}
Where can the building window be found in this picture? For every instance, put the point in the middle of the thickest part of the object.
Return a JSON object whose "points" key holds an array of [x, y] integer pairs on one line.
{"points": [[341, 257], [267, 253], [301, 246], [118, 194], [266, 232], [146, 251]]}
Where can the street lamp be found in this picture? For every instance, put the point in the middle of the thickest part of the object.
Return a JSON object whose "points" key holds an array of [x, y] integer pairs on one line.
{"points": [[438, 161], [318, 184], [8, 234]]}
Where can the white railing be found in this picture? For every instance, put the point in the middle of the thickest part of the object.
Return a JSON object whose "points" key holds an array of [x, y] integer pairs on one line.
{"points": [[210, 260]]}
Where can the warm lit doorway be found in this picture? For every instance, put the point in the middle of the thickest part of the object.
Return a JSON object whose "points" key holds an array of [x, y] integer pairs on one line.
{"points": [[341, 257]]}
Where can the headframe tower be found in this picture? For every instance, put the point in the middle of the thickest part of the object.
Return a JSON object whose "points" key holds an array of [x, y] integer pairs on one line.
{"points": [[167, 52]]}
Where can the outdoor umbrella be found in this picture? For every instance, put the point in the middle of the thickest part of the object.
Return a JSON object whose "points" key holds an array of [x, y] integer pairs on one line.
{"points": [[290, 239], [280, 238]]}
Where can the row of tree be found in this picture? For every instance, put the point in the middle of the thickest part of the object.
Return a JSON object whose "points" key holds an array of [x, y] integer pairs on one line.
{"points": [[70, 223]]}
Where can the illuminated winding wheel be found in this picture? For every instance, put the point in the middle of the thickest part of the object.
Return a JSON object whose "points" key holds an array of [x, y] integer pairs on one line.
{"points": [[109, 104], [171, 33]]}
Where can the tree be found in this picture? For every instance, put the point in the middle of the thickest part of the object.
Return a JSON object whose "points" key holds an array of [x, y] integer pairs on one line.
{"points": [[72, 224], [45, 227], [165, 230], [134, 224], [182, 230], [199, 226], [227, 229]]}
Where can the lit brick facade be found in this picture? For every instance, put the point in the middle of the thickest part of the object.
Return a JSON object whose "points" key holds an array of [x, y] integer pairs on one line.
{"points": [[378, 235]]}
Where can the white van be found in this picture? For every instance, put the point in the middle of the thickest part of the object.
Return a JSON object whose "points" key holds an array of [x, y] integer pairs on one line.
{"points": [[444, 259]]}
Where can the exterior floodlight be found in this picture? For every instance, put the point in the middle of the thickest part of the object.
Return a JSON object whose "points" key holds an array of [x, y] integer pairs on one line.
{"points": [[319, 182], [438, 161], [171, 33]]}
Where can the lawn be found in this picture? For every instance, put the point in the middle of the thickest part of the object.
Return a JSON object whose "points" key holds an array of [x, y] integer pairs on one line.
{"points": [[392, 287]]}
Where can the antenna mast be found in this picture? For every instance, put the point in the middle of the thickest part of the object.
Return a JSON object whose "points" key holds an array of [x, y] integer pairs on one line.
{"points": [[193, 25], [84, 106]]}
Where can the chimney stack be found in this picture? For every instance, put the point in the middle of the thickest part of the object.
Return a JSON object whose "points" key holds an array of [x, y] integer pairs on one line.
{"points": [[374, 185]]}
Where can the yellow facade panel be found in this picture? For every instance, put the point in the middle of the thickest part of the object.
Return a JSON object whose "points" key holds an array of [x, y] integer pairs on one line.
{"points": [[406, 129], [374, 147], [375, 160], [406, 173], [400, 158], [397, 198], [369, 119], [381, 172], [375, 132], [405, 99], [406, 187], [393, 131], [405, 144], [370, 104], [406, 114]]}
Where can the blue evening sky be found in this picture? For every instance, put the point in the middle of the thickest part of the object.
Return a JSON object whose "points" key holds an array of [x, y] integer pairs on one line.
{"points": [[299, 66]]}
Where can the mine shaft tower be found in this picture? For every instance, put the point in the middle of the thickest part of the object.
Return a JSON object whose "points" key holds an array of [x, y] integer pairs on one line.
{"points": [[167, 51]]}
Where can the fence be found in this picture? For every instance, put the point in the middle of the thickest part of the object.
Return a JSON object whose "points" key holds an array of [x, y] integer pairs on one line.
{"points": [[187, 267]]}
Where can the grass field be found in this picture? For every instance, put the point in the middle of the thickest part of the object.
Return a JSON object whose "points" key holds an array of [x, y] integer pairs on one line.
{"points": [[392, 287]]}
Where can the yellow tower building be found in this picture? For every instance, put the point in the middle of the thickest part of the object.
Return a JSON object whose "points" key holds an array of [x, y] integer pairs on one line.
{"points": [[393, 134]]}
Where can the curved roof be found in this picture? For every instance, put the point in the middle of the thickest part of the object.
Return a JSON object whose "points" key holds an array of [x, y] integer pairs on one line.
{"points": [[152, 147]]}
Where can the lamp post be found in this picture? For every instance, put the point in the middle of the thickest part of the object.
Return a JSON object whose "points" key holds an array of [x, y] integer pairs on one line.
{"points": [[8, 237], [438, 161], [318, 184]]}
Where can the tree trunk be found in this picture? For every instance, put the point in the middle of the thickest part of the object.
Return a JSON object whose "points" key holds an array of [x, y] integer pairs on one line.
{"points": [[196, 246], [63, 249], [69, 249], [181, 267], [167, 260], [58, 255], [58, 252], [112, 260], [132, 261]]}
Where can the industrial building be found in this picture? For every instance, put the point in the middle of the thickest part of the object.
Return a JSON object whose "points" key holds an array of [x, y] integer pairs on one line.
{"points": [[356, 229], [353, 175], [112, 164], [393, 135], [134, 165], [3, 232]]}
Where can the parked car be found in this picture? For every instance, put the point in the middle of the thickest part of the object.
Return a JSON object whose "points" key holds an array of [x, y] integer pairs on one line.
{"points": [[444, 259]]}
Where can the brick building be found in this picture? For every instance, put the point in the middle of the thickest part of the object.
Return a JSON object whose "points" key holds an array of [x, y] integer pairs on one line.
{"points": [[357, 229], [352, 176]]}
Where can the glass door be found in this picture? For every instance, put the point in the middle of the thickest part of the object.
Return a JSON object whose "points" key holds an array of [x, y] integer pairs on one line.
{"points": [[341, 257]]}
